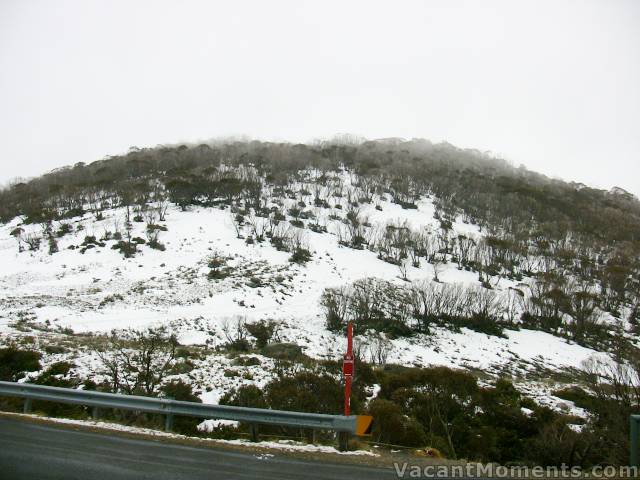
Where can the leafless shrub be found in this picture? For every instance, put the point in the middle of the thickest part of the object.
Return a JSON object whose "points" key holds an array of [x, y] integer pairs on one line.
{"points": [[235, 331], [32, 240], [137, 361], [379, 349]]}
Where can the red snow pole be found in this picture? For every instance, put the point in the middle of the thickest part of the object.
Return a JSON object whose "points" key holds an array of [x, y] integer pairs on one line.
{"points": [[347, 370]]}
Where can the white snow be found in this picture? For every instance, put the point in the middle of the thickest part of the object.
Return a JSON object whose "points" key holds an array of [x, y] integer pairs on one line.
{"points": [[210, 425], [100, 290]]}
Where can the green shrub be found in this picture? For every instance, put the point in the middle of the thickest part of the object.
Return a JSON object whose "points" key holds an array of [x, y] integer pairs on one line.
{"points": [[262, 331], [308, 392], [182, 391], [59, 375], [54, 349], [59, 368], [300, 256], [245, 396], [481, 324], [156, 245], [391, 426], [182, 367], [579, 397], [283, 351], [15, 363], [126, 248], [249, 361], [64, 229], [219, 269]]}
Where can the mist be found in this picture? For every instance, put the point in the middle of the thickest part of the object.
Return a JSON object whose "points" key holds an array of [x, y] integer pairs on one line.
{"points": [[551, 85]]}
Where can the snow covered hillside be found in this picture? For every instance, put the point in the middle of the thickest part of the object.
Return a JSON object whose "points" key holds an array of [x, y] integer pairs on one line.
{"points": [[88, 287]]}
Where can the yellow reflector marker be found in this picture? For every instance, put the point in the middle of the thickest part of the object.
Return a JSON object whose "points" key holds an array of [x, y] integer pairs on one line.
{"points": [[363, 425]]}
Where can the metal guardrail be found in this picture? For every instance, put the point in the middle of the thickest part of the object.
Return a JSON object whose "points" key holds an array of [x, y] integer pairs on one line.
{"points": [[168, 407], [635, 432]]}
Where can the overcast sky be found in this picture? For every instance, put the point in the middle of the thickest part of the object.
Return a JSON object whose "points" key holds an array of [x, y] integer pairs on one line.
{"points": [[552, 85]]}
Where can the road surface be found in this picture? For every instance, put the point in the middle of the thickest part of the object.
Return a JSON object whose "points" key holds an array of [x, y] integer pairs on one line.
{"points": [[46, 452]]}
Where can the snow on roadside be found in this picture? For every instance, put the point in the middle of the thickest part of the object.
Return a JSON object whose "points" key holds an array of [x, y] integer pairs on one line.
{"points": [[210, 425], [284, 445]]}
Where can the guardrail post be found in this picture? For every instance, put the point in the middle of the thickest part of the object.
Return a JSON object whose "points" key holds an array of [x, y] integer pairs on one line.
{"points": [[313, 436], [168, 422], [95, 413], [343, 441], [168, 419], [27, 407], [633, 454], [253, 430]]}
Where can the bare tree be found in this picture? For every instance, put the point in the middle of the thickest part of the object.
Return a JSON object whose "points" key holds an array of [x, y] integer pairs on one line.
{"points": [[379, 349], [237, 220], [438, 267], [235, 331], [259, 226], [137, 361], [32, 240], [17, 234], [403, 266], [94, 201], [463, 249], [583, 309], [484, 303], [163, 207], [513, 304], [613, 379], [150, 216]]}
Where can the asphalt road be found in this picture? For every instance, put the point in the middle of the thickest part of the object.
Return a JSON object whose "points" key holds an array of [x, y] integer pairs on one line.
{"points": [[41, 452]]}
